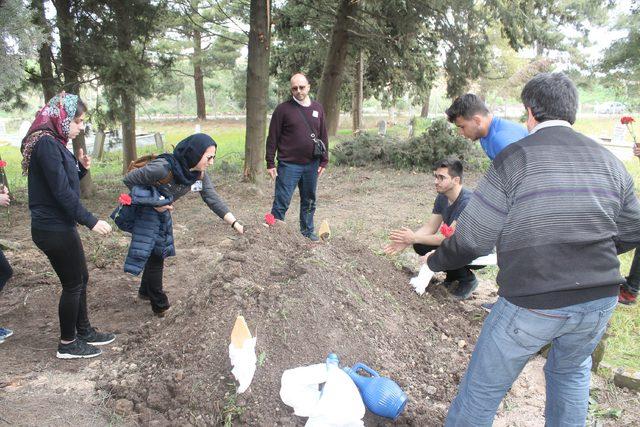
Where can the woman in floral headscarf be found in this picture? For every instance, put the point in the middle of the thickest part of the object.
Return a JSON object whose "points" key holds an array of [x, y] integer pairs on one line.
{"points": [[54, 201]]}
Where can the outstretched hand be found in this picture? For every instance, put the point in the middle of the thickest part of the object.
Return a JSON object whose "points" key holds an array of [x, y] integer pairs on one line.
{"points": [[84, 159], [394, 248], [404, 235]]}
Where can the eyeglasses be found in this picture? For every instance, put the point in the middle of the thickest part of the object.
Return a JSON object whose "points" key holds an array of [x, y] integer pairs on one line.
{"points": [[210, 158], [298, 88]]}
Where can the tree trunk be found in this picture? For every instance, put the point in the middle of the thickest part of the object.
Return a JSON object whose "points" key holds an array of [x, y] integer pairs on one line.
{"points": [[356, 108], [129, 151], [257, 89], [71, 71], [44, 53], [334, 65], [425, 104], [198, 76]]}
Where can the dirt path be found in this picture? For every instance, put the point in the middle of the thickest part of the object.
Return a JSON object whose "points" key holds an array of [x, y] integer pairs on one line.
{"points": [[304, 300]]}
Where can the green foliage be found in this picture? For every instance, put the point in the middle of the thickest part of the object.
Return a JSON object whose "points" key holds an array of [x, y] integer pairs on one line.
{"points": [[621, 61], [420, 153]]}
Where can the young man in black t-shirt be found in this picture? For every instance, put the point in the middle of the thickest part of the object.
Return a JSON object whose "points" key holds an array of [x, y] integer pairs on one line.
{"points": [[451, 200]]}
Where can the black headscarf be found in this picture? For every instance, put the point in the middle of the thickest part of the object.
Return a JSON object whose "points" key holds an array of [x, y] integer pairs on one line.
{"points": [[186, 155]]}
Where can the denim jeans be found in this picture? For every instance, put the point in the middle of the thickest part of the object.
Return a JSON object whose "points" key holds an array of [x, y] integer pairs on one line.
{"points": [[305, 177], [510, 336], [633, 279]]}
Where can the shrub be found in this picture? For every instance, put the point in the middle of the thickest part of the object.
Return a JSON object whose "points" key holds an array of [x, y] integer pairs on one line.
{"points": [[439, 141]]}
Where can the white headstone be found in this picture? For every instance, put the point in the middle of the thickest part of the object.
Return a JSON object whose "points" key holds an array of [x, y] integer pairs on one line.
{"points": [[198, 128], [382, 127], [619, 131], [24, 128]]}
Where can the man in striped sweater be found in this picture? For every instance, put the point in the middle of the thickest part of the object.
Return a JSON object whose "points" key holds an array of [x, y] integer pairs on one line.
{"points": [[559, 208]]}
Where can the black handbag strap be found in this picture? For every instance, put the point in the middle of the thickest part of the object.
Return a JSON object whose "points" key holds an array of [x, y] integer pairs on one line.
{"points": [[313, 134]]}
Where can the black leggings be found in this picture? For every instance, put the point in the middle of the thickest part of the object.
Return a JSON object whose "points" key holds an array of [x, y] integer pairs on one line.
{"points": [[151, 284], [5, 270], [65, 252]]}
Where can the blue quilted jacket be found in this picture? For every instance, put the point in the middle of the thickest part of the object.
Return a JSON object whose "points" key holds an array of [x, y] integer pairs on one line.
{"points": [[151, 231]]}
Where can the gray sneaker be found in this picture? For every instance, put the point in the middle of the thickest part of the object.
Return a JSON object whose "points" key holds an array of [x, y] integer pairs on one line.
{"points": [[465, 288], [313, 237], [77, 349], [93, 337]]}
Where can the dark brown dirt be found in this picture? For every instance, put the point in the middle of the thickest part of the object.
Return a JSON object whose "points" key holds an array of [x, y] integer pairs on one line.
{"points": [[303, 301]]}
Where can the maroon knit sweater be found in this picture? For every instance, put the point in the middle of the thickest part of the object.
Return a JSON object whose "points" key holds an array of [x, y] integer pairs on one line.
{"points": [[289, 135]]}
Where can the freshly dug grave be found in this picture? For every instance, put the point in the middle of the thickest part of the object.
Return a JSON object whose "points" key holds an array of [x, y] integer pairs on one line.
{"points": [[303, 300]]}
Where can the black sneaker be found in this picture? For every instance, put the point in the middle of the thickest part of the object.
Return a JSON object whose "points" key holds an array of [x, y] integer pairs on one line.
{"points": [[77, 349], [94, 337], [465, 288]]}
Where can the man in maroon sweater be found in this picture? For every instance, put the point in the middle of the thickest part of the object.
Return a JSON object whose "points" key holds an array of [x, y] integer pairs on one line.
{"points": [[290, 137]]}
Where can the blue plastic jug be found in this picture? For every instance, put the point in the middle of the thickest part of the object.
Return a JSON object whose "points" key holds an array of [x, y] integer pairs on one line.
{"points": [[381, 395]]}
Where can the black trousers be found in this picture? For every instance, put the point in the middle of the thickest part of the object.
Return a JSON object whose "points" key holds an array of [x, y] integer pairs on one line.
{"points": [[66, 254], [463, 273], [5, 270], [151, 284]]}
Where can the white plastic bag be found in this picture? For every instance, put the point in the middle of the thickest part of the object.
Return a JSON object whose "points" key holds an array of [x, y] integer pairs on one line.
{"points": [[242, 352], [421, 281], [338, 405]]}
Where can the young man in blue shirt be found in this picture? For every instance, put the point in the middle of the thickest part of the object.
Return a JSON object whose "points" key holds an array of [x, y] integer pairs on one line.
{"points": [[474, 121], [472, 117]]}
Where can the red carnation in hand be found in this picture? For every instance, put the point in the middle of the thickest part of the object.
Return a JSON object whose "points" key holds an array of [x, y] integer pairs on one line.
{"points": [[625, 120], [446, 230], [3, 164], [269, 219], [124, 199]]}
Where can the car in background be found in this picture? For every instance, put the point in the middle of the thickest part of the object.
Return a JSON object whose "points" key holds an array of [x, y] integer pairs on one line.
{"points": [[611, 107]]}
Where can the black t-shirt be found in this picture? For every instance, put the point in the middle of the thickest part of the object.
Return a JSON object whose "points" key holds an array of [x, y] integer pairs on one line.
{"points": [[451, 212]]}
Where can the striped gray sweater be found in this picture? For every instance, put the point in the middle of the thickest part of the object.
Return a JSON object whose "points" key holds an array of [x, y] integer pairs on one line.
{"points": [[558, 207]]}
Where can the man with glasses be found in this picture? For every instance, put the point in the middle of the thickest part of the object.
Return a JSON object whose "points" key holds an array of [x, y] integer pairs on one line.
{"points": [[451, 200], [295, 129]]}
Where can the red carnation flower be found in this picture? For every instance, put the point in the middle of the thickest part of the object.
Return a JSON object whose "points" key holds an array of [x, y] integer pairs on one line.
{"points": [[626, 120], [124, 199], [446, 230], [269, 219], [3, 164]]}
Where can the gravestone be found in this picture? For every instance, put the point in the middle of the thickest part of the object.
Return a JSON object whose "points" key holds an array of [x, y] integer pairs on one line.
{"points": [[198, 128], [98, 145], [619, 132], [159, 142], [382, 127]]}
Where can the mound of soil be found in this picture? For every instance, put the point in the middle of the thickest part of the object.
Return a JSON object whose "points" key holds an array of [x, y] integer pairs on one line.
{"points": [[304, 301]]}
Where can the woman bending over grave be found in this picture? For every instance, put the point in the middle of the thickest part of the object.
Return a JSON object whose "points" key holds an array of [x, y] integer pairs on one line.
{"points": [[154, 187]]}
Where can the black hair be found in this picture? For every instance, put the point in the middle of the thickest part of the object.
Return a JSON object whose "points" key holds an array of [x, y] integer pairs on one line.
{"points": [[453, 165], [81, 108], [466, 106], [551, 96]]}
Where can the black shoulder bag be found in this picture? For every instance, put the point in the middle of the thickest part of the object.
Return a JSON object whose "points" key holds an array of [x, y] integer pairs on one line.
{"points": [[319, 148]]}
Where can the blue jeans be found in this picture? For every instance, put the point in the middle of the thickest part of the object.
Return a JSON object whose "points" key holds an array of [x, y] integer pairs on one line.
{"points": [[510, 336], [305, 177]]}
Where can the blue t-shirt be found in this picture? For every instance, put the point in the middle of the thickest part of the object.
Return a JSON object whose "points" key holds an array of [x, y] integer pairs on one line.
{"points": [[501, 133], [451, 212]]}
